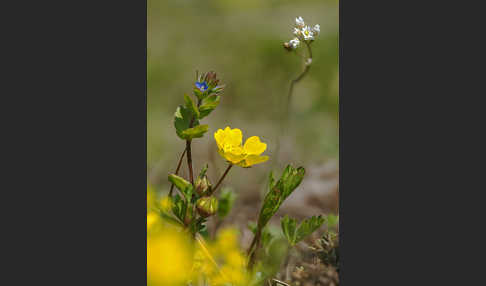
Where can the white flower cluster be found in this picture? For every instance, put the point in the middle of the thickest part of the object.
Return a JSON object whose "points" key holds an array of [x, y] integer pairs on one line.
{"points": [[302, 33]]}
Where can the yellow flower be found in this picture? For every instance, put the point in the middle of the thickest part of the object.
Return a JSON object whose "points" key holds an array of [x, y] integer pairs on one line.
{"points": [[230, 260], [150, 197], [152, 219], [227, 240], [166, 204], [230, 147], [169, 258]]}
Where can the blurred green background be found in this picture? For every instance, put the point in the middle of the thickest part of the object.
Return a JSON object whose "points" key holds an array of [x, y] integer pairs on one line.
{"points": [[242, 41]]}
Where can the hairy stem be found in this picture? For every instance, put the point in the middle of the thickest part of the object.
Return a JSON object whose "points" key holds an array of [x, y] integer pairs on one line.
{"points": [[221, 179], [177, 170]]}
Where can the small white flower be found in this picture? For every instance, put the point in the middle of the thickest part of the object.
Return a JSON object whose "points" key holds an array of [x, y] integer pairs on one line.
{"points": [[297, 32], [307, 33], [299, 22], [317, 29], [294, 43]]}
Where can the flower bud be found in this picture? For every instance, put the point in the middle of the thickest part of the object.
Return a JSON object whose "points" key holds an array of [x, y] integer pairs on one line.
{"points": [[207, 206], [287, 46], [210, 77], [202, 186]]}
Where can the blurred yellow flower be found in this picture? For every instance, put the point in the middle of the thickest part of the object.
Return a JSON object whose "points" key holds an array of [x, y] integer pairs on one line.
{"points": [[150, 197], [166, 204], [152, 219], [230, 147], [227, 240], [169, 258], [231, 262]]}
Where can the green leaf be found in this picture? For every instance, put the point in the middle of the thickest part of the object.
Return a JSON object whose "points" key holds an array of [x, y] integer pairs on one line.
{"points": [[191, 106], [332, 221], [195, 132], [226, 201], [179, 207], [208, 104], [182, 121], [198, 226], [308, 226], [288, 228], [290, 180], [271, 181], [182, 185], [170, 219], [198, 93]]}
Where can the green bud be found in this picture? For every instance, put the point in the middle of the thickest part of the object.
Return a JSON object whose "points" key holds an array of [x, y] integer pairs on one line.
{"points": [[202, 186], [207, 206]]}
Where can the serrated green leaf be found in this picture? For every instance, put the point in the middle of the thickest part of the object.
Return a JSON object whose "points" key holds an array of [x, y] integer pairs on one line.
{"points": [[290, 180], [182, 185], [195, 132], [208, 104], [308, 226], [226, 201], [191, 106], [288, 228], [182, 120]]}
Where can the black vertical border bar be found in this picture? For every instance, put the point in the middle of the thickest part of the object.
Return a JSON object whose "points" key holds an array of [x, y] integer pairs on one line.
{"points": [[77, 153]]}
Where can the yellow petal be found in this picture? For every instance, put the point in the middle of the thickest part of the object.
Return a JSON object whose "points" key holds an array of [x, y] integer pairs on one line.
{"points": [[228, 136], [221, 152], [235, 137], [234, 158], [253, 146], [254, 159], [220, 136]]}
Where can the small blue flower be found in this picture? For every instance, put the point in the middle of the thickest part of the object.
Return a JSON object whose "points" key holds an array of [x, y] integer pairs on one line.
{"points": [[202, 86]]}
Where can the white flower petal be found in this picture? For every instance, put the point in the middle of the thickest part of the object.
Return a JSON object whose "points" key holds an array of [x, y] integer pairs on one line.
{"points": [[299, 22]]}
